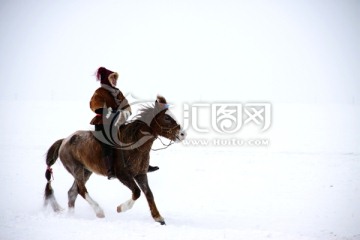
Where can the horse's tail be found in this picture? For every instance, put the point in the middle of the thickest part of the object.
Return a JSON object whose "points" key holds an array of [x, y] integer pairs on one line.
{"points": [[51, 157]]}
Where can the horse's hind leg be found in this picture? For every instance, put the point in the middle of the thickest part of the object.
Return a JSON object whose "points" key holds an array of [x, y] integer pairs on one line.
{"points": [[73, 191], [80, 179]]}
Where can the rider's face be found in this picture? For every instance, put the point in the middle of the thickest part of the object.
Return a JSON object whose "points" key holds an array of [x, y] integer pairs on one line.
{"points": [[113, 80]]}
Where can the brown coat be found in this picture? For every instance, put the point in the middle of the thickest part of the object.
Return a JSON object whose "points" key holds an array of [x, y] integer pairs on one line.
{"points": [[102, 98]]}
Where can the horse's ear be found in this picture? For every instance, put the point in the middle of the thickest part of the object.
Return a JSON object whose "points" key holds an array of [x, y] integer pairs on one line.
{"points": [[160, 103], [161, 99]]}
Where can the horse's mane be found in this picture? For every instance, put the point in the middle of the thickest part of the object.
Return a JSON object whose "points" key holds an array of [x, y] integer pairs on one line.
{"points": [[145, 115], [130, 131]]}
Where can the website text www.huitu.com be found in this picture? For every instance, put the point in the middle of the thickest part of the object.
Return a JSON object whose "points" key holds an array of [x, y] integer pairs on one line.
{"points": [[227, 142]]}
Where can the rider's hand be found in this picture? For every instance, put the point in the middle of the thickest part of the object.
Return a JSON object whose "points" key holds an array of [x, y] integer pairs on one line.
{"points": [[126, 114], [109, 112], [121, 119]]}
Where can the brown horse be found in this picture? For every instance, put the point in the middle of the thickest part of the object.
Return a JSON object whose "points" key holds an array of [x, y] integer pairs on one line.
{"points": [[81, 155]]}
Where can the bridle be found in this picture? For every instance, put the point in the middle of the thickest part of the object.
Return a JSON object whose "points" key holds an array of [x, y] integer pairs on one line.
{"points": [[168, 130]]}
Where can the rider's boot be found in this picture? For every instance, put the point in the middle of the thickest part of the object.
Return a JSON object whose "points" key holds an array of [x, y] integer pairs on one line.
{"points": [[109, 161], [153, 168], [108, 155]]}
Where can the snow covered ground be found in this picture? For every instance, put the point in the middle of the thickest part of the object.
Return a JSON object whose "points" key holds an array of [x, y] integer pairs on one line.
{"points": [[304, 185]]}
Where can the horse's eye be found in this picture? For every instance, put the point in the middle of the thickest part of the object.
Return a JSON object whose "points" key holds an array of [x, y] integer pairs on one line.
{"points": [[167, 118]]}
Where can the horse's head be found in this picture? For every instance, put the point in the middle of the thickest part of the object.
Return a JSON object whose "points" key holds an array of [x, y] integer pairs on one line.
{"points": [[164, 122]]}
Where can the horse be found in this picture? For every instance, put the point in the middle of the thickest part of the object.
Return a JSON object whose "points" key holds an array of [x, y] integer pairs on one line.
{"points": [[81, 155]]}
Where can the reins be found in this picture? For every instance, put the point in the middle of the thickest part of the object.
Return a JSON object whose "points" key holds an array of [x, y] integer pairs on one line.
{"points": [[165, 145]]}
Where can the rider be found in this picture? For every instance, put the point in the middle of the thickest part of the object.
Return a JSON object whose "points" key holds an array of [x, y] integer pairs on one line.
{"points": [[112, 110]]}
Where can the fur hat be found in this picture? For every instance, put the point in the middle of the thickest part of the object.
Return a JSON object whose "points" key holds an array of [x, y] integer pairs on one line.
{"points": [[103, 75]]}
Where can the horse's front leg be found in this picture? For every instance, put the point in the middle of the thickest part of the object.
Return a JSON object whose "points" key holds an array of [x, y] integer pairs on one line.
{"points": [[142, 181], [128, 181]]}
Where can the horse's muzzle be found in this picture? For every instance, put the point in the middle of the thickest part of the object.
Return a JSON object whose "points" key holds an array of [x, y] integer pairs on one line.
{"points": [[181, 135]]}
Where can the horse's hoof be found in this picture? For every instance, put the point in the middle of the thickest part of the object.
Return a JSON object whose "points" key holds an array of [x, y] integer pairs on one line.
{"points": [[125, 206], [100, 215], [118, 209], [71, 211], [160, 220]]}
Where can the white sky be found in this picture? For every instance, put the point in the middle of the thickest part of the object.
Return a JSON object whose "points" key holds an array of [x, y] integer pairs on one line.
{"points": [[189, 50]]}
